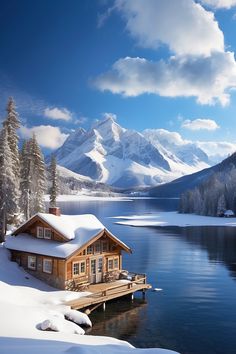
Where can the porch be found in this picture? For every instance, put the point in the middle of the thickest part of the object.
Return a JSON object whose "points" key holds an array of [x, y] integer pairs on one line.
{"points": [[106, 291]]}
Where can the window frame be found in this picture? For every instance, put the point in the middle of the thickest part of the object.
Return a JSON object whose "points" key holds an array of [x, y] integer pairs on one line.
{"points": [[92, 249], [105, 249], [44, 233], [108, 266], [29, 262], [113, 260], [80, 273], [97, 247], [40, 228], [47, 260]]}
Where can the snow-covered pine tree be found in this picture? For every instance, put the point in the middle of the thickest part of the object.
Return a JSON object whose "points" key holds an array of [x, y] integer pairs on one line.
{"points": [[11, 124], [54, 189], [37, 176], [8, 202], [25, 179]]}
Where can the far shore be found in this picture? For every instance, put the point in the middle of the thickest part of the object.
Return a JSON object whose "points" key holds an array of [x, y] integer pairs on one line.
{"points": [[173, 218]]}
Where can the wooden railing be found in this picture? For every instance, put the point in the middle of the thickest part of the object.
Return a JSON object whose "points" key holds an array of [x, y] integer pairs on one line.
{"points": [[120, 288]]}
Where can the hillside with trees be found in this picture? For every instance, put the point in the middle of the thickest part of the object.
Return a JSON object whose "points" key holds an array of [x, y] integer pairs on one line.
{"points": [[214, 195]]}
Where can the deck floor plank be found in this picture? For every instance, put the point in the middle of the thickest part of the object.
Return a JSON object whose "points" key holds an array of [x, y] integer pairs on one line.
{"points": [[104, 292]]}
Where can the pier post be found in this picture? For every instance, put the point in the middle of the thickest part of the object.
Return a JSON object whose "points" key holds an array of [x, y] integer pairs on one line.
{"points": [[104, 306], [144, 294], [132, 297]]}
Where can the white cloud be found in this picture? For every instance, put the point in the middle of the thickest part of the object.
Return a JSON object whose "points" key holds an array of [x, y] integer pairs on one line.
{"points": [[199, 68], [58, 113], [47, 136], [219, 4], [166, 137], [217, 148], [206, 78], [183, 25], [200, 124]]}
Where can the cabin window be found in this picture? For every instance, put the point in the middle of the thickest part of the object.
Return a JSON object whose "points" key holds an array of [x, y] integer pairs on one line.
{"points": [[40, 233], [90, 249], [78, 268], [104, 246], [32, 262], [110, 264], [116, 263], [97, 247], [47, 265], [113, 263], [48, 234]]}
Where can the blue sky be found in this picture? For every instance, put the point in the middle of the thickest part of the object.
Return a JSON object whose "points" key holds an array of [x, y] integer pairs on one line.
{"points": [[152, 63]]}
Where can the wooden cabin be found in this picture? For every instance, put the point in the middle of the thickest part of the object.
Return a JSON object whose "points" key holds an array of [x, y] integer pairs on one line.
{"points": [[67, 251]]}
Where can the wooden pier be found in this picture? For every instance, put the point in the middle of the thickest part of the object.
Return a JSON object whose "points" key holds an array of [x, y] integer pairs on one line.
{"points": [[103, 292]]}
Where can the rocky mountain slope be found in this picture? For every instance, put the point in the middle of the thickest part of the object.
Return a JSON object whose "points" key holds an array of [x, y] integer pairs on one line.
{"points": [[124, 158]]}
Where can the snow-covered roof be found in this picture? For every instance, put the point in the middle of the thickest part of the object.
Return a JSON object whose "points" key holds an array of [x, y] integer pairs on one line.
{"points": [[77, 229]]}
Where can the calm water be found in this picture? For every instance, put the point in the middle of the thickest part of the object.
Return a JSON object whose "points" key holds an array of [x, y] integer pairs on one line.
{"points": [[196, 268]]}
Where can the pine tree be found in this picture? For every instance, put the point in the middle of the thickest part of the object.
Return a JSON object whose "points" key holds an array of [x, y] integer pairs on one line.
{"points": [[37, 175], [54, 190], [7, 186], [25, 181], [11, 124], [32, 178]]}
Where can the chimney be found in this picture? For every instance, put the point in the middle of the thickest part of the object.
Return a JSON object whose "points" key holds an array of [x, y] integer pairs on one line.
{"points": [[55, 211]]}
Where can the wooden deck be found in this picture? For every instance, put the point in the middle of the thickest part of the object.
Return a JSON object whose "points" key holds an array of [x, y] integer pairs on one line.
{"points": [[103, 292]]}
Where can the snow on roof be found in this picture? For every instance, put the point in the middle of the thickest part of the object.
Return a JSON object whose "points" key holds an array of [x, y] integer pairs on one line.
{"points": [[77, 229], [86, 225]]}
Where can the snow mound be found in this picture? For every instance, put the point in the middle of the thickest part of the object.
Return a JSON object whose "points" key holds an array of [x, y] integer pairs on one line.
{"points": [[78, 317], [58, 324]]}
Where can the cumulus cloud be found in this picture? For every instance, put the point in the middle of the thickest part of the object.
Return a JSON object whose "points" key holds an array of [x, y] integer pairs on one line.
{"points": [[58, 113], [206, 78], [219, 4], [217, 148], [183, 25], [200, 66], [166, 137], [200, 124], [47, 136]]}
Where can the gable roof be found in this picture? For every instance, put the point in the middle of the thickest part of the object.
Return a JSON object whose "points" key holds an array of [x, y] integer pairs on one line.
{"points": [[78, 230]]}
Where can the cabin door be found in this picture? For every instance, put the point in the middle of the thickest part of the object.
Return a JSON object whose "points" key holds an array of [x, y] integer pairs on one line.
{"points": [[96, 270]]}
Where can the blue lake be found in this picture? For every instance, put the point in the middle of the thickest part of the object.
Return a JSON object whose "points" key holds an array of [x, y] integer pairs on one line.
{"points": [[196, 268]]}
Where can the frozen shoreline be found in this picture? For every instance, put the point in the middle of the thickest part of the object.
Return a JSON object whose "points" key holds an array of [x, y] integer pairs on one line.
{"points": [[85, 197], [26, 303], [173, 218]]}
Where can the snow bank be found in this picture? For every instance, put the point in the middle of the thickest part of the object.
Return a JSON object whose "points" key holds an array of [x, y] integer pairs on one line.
{"points": [[84, 197], [28, 307], [58, 324], [78, 317], [173, 218]]}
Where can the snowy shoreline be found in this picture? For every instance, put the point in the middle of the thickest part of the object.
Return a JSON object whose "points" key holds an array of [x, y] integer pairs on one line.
{"points": [[26, 304], [173, 218], [85, 197]]}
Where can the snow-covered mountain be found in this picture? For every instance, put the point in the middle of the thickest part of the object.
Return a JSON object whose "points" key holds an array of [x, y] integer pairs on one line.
{"points": [[126, 158]]}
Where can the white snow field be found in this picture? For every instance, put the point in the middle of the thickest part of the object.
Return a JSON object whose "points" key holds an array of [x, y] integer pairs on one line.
{"points": [[173, 218], [27, 306]]}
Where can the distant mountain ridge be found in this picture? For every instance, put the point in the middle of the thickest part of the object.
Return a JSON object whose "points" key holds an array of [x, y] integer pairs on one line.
{"points": [[123, 158], [175, 188]]}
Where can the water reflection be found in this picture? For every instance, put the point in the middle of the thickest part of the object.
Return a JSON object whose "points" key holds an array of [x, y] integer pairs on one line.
{"points": [[121, 318], [219, 242]]}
